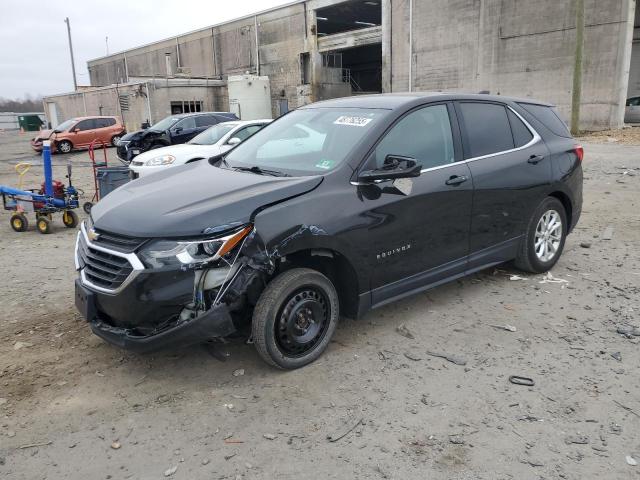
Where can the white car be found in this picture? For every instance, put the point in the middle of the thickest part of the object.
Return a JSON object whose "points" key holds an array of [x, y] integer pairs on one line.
{"points": [[213, 141]]}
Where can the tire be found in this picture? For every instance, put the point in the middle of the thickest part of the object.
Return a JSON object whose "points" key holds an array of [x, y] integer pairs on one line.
{"points": [[308, 297], [64, 146], [87, 206], [19, 222], [70, 219], [43, 224], [529, 257], [115, 139]]}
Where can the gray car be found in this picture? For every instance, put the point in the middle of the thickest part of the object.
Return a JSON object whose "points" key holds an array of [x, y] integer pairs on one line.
{"points": [[632, 110]]}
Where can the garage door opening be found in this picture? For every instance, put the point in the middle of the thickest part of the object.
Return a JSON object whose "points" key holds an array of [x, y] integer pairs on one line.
{"points": [[363, 68], [348, 16]]}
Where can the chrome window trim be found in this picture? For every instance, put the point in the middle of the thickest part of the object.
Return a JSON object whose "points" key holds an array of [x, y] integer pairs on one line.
{"points": [[536, 138], [132, 258]]}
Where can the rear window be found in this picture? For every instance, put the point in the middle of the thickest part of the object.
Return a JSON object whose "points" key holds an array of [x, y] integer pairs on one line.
{"points": [[105, 122], [487, 127], [549, 117], [521, 134]]}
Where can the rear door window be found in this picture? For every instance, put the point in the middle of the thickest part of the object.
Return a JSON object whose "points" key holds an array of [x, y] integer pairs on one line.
{"points": [[86, 125], [487, 128], [549, 117], [521, 134]]}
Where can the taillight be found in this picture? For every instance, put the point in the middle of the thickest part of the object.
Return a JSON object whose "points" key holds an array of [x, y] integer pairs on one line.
{"points": [[579, 151]]}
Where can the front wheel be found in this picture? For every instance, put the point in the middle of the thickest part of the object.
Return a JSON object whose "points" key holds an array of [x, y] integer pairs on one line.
{"points": [[295, 318], [545, 236], [65, 146]]}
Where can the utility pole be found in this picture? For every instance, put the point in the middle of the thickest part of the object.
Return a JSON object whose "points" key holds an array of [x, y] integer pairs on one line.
{"points": [[106, 41], [576, 96], [73, 65]]}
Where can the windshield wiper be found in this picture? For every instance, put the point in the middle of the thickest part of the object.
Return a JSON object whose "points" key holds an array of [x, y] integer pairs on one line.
{"points": [[262, 171]]}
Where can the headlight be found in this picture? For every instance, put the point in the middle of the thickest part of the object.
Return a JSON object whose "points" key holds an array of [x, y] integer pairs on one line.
{"points": [[161, 160], [164, 253]]}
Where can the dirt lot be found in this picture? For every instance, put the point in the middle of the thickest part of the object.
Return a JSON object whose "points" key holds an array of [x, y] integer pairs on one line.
{"points": [[73, 407]]}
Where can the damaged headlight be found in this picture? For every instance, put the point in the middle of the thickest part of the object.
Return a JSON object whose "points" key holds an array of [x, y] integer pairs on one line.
{"points": [[161, 160], [163, 253]]}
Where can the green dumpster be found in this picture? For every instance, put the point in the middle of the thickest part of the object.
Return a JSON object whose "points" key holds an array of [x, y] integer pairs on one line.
{"points": [[29, 122]]}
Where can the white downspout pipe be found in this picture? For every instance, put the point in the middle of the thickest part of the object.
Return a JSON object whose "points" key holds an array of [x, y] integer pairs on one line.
{"points": [[255, 19]]}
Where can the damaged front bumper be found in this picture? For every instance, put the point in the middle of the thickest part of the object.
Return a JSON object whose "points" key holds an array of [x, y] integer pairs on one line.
{"points": [[215, 323], [153, 308]]}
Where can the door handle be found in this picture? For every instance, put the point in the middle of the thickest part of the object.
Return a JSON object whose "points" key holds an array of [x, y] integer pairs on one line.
{"points": [[456, 180], [535, 159]]}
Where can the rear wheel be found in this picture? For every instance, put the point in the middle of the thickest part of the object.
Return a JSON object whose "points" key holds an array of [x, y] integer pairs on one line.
{"points": [[545, 236], [70, 219], [295, 318], [65, 146], [19, 222], [115, 139], [44, 225]]}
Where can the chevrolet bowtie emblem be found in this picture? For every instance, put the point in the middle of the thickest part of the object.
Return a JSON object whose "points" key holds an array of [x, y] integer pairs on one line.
{"points": [[92, 234]]}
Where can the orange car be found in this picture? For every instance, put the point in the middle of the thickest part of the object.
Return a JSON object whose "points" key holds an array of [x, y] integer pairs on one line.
{"points": [[79, 132]]}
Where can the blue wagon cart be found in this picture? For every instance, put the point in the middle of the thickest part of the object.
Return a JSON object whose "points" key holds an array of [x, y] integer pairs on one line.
{"points": [[52, 197]]}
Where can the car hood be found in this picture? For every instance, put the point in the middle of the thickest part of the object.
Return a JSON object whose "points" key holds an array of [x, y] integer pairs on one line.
{"points": [[183, 152], [192, 199], [140, 134], [43, 134]]}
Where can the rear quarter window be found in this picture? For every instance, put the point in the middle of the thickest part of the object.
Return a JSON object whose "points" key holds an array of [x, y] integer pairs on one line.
{"points": [[548, 117]]}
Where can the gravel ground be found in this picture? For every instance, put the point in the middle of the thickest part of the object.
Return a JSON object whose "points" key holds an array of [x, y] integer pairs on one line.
{"points": [[376, 405]]}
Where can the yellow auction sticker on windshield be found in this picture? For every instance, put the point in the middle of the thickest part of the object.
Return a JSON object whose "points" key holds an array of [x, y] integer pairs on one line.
{"points": [[352, 121]]}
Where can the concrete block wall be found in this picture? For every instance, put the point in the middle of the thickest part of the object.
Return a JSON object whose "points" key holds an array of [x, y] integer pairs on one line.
{"points": [[517, 47]]}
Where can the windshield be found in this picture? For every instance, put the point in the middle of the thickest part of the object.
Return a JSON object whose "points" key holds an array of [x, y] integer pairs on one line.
{"points": [[212, 135], [64, 126], [306, 141], [164, 124]]}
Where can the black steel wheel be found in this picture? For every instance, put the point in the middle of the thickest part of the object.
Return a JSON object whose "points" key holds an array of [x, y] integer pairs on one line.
{"points": [[70, 219], [295, 318], [19, 222]]}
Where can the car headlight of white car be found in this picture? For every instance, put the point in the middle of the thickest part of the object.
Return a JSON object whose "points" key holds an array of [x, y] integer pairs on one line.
{"points": [[161, 160]]}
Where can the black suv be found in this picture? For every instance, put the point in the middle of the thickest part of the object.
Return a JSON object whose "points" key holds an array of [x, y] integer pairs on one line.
{"points": [[171, 130], [333, 209]]}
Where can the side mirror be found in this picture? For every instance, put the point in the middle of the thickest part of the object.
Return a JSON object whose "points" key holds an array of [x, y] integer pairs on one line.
{"points": [[76, 130], [233, 141], [395, 166], [177, 130]]}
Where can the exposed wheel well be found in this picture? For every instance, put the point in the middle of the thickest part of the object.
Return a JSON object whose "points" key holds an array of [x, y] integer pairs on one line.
{"points": [[566, 203], [335, 267]]}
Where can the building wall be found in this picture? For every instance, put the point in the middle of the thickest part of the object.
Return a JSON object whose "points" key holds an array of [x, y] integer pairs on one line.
{"points": [[518, 47], [513, 47]]}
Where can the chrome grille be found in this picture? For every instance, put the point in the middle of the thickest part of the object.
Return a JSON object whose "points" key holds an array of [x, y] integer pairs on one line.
{"points": [[105, 269], [119, 242], [100, 268]]}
